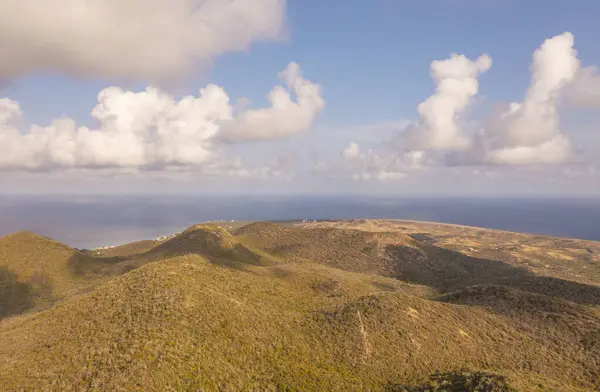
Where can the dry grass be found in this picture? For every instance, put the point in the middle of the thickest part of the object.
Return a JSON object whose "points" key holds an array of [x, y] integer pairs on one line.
{"points": [[565, 258], [272, 308], [43, 271], [125, 250], [350, 250]]}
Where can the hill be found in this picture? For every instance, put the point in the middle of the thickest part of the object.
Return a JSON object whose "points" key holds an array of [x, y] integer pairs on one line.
{"points": [[125, 250], [351, 250], [292, 308], [565, 258], [397, 254], [36, 271], [212, 242]]}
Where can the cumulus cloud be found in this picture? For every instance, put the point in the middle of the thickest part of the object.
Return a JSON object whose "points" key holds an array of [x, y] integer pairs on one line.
{"points": [[368, 165], [554, 151], [147, 130], [351, 152], [149, 40], [457, 84], [237, 168], [584, 91], [522, 133], [285, 117], [529, 132]]}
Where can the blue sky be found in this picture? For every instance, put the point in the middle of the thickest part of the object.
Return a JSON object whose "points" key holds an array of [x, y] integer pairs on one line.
{"points": [[372, 60]]}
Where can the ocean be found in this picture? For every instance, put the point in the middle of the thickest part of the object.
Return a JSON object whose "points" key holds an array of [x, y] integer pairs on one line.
{"points": [[90, 222]]}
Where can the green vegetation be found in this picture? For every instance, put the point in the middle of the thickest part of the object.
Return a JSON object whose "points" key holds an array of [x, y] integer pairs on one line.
{"points": [[212, 242], [44, 271], [288, 308], [459, 381], [126, 250]]}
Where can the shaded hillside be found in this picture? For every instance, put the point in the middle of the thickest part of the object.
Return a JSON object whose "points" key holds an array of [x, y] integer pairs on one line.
{"points": [[272, 308], [212, 242], [351, 250], [37, 271], [422, 335], [448, 270], [397, 255], [556, 324], [180, 324], [563, 258], [17, 296], [187, 324], [458, 381]]}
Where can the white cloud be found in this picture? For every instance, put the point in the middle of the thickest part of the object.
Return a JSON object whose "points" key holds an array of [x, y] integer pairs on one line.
{"points": [[352, 151], [585, 89], [368, 165], [385, 176], [149, 40], [415, 159], [525, 133], [529, 132], [237, 168], [398, 125], [554, 151], [438, 127], [285, 117], [147, 130]]}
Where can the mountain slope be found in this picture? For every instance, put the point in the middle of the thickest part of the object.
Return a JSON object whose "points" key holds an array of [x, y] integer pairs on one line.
{"points": [[186, 323], [125, 250], [394, 254], [563, 258], [36, 271], [423, 335], [211, 242], [207, 310], [350, 250]]}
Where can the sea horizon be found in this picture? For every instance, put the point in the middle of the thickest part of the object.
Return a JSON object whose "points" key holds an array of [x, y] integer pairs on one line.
{"points": [[88, 221]]}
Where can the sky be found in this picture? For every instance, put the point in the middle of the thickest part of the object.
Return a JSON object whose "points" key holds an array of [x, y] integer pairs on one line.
{"points": [[390, 97]]}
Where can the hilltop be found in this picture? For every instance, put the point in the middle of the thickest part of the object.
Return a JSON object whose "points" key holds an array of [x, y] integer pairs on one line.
{"points": [[36, 272], [362, 305]]}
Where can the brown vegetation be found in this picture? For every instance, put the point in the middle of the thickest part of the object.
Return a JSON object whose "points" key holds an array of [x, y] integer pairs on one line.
{"points": [[291, 308]]}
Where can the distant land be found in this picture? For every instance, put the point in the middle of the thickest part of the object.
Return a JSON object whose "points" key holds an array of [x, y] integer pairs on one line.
{"points": [[334, 305], [88, 222]]}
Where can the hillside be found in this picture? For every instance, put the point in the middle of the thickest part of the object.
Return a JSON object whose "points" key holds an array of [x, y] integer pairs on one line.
{"points": [[351, 250], [398, 254], [566, 258], [293, 308], [36, 271], [212, 242], [125, 250]]}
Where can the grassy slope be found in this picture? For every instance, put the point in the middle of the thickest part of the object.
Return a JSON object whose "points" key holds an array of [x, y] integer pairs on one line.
{"points": [[36, 271], [394, 254], [212, 242], [572, 259], [125, 250], [216, 313], [180, 321], [351, 250]]}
